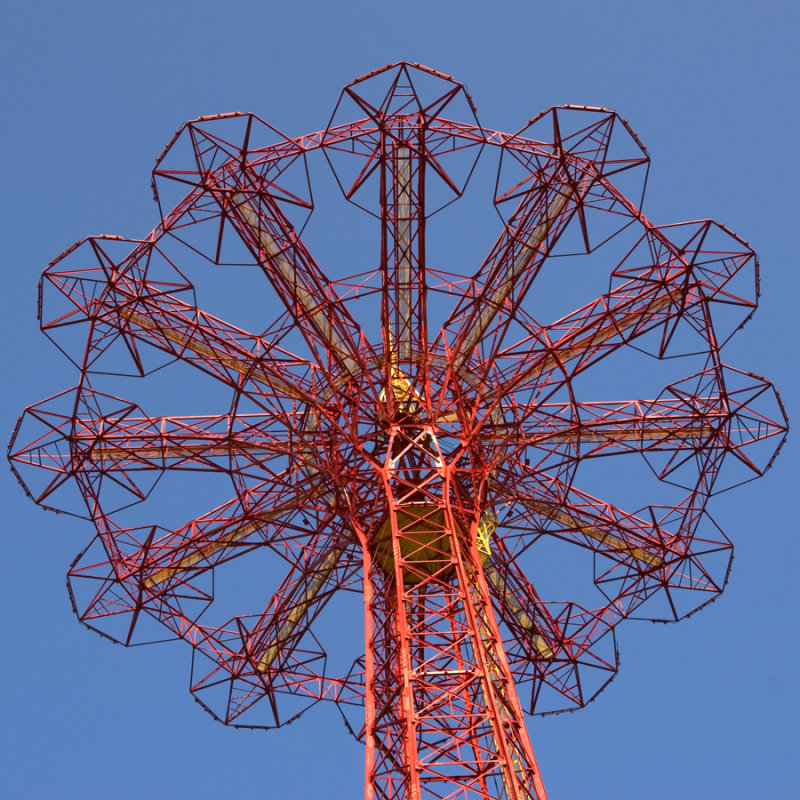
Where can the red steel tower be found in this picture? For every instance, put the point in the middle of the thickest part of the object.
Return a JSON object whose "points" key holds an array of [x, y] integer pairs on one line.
{"points": [[413, 435]]}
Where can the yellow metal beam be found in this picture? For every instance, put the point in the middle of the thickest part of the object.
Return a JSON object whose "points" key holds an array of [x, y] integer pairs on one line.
{"points": [[403, 200], [205, 350], [236, 534], [104, 452], [300, 608], [553, 359], [557, 512], [204, 551], [594, 433], [491, 305], [301, 293], [517, 609]]}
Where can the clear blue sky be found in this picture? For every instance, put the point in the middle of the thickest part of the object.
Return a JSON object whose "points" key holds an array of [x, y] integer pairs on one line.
{"points": [[92, 91]]}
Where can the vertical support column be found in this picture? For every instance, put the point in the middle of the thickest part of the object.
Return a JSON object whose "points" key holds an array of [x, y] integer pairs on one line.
{"points": [[444, 719], [521, 777], [403, 255]]}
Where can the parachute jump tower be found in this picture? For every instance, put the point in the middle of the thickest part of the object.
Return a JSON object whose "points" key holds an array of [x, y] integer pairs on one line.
{"points": [[412, 435]]}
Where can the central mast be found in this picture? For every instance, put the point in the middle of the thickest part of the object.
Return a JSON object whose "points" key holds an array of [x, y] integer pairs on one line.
{"points": [[442, 715]]}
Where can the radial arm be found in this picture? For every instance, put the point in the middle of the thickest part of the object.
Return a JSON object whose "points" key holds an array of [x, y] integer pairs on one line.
{"points": [[554, 643], [511, 266], [302, 287], [670, 287], [583, 519], [302, 595], [210, 344], [204, 542]]}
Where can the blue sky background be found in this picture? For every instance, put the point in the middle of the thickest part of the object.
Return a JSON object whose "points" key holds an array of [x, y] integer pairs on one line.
{"points": [[91, 92]]}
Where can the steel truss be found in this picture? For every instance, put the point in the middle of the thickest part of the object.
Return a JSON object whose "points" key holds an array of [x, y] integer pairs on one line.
{"points": [[419, 467]]}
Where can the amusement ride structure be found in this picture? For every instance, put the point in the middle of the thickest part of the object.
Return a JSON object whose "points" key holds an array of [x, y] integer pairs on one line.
{"points": [[407, 434]]}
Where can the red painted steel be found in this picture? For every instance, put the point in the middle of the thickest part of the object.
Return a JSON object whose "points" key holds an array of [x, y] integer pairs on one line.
{"points": [[418, 467]]}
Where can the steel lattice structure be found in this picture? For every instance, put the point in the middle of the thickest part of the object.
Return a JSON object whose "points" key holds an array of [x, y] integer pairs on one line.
{"points": [[418, 463]]}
